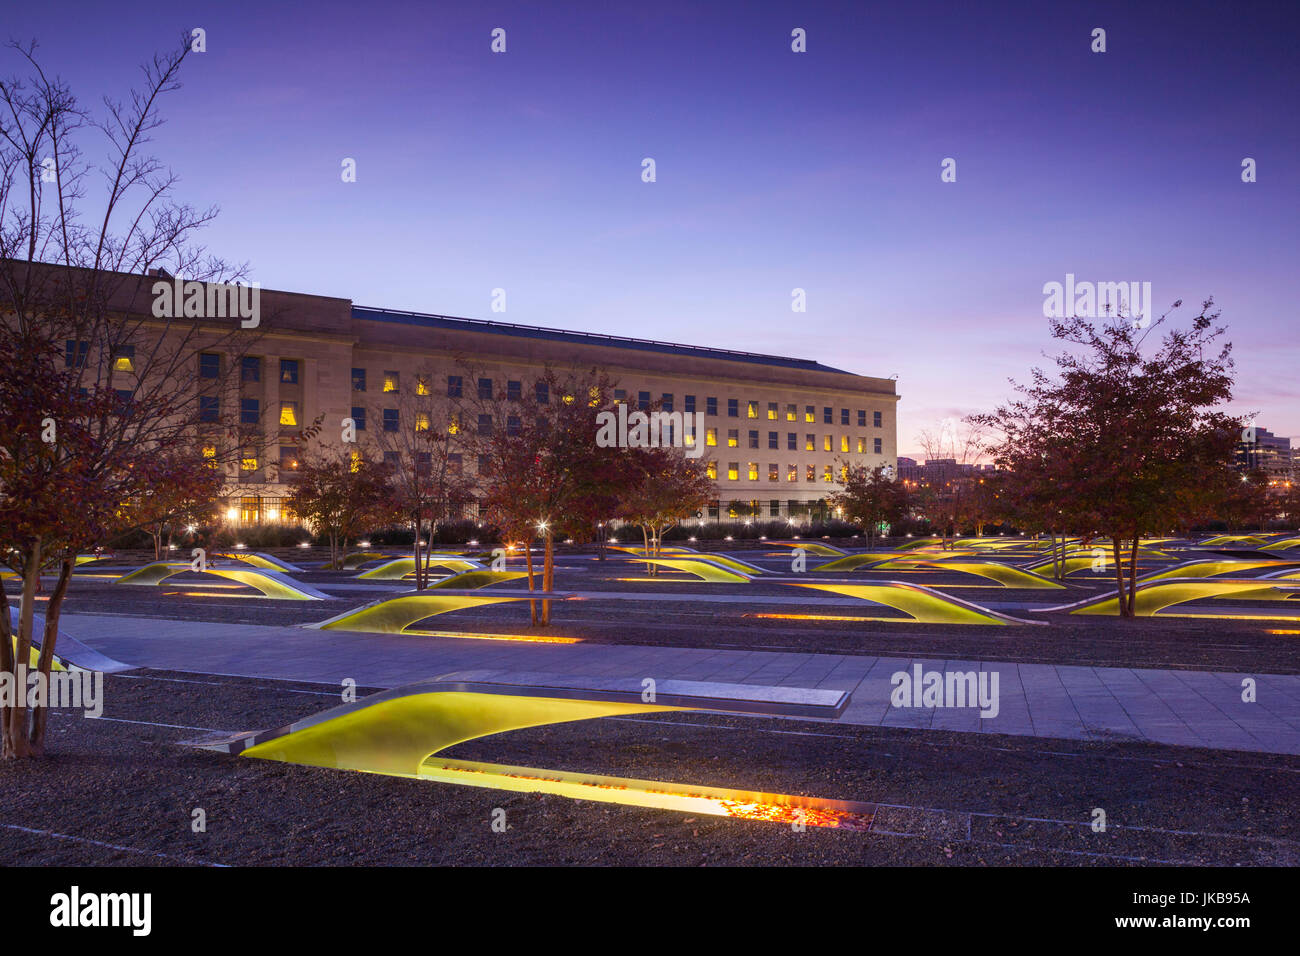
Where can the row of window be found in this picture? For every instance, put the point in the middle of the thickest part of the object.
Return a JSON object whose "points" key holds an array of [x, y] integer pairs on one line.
{"points": [[667, 402], [774, 472], [792, 441], [250, 368], [485, 389]]}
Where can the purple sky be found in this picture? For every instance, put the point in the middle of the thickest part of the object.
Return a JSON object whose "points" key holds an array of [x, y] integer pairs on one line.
{"points": [[775, 170]]}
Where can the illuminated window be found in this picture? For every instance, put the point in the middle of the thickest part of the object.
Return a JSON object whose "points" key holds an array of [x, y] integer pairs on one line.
{"points": [[751, 409], [809, 413], [844, 474], [733, 438], [792, 473], [811, 473], [288, 458], [421, 421], [288, 413], [791, 413], [454, 426], [862, 446], [826, 474], [392, 382], [594, 397], [733, 471], [688, 437], [844, 443], [124, 358], [422, 385], [248, 463], [771, 411], [810, 443], [711, 437], [711, 469], [753, 471], [826, 443], [354, 462], [210, 455], [773, 472]]}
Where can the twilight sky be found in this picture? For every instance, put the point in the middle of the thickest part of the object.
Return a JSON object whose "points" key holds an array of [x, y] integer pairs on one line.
{"points": [[775, 170]]}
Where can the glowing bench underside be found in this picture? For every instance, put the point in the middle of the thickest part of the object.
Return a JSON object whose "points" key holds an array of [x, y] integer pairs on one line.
{"points": [[272, 584], [1154, 596]]}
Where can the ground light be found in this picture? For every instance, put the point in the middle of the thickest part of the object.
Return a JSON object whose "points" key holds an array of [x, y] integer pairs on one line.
{"points": [[713, 801]]}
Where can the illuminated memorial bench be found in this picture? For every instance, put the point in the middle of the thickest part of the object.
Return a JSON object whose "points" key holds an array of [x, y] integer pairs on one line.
{"points": [[350, 562], [396, 615], [272, 584], [706, 569], [1206, 569], [399, 568], [400, 732], [923, 605], [70, 653], [1003, 575], [815, 547], [1153, 596], [1285, 544], [258, 559]]}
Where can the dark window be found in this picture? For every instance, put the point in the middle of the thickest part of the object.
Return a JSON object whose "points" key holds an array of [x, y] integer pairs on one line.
{"points": [[288, 458], [423, 462], [391, 419], [710, 406], [513, 425], [75, 352], [774, 507], [484, 464], [209, 408], [485, 388], [393, 460], [620, 395], [862, 418], [209, 365], [689, 403], [250, 368], [828, 415], [514, 391], [454, 386], [844, 416], [667, 401], [792, 441], [753, 438], [733, 408], [773, 439], [359, 416], [543, 393], [249, 411], [358, 380], [643, 400], [878, 447], [289, 371], [454, 463], [875, 419], [485, 424]]}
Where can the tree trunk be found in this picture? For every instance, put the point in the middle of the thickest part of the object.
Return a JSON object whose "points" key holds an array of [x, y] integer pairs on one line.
{"points": [[1132, 578], [1119, 576], [16, 743], [548, 574], [532, 584], [46, 659]]}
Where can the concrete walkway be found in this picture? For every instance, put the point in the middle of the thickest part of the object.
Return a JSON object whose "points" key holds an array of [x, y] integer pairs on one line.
{"points": [[1192, 708]]}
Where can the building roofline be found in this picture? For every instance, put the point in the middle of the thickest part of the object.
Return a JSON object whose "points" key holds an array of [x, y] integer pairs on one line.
{"points": [[373, 313]]}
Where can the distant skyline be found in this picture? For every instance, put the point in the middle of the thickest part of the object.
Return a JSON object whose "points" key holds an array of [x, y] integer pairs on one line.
{"points": [[775, 170]]}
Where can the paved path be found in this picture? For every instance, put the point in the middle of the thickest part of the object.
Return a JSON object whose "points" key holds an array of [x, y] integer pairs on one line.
{"points": [[1193, 708]]}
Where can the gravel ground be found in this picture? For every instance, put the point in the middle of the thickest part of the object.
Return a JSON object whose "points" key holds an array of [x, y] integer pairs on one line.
{"points": [[959, 799]]}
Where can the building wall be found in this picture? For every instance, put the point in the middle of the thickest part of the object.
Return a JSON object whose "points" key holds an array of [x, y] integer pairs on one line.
{"points": [[326, 338]]}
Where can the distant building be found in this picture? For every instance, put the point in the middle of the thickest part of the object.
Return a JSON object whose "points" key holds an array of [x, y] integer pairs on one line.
{"points": [[1261, 450], [935, 471]]}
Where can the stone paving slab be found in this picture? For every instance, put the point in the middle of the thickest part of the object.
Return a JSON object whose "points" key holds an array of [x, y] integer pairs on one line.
{"points": [[1191, 708]]}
